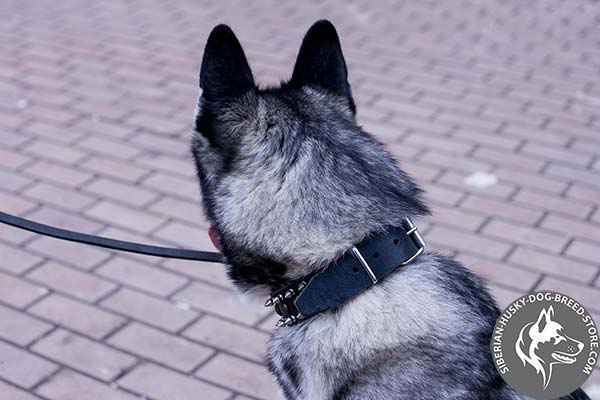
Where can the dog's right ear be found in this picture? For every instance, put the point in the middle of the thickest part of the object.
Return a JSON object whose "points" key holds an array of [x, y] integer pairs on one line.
{"points": [[225, 72]]}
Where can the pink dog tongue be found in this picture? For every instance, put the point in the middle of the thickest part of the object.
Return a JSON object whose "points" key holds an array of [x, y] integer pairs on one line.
{"points": [[214, 236]]}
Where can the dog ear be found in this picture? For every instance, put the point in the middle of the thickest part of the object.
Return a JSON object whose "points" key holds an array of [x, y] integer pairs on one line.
{"points": [[225, 72], [544, 318], [321, 62]]}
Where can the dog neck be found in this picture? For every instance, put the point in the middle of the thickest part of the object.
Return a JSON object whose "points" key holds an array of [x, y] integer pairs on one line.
{"points": [[358, 269]]}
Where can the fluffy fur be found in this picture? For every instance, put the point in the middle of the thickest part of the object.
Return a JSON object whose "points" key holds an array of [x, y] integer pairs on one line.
{"points": [[290, 182]]}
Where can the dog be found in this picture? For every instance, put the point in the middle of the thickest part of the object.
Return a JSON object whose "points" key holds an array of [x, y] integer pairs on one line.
{"points": [[543, 344], [290, 182]]}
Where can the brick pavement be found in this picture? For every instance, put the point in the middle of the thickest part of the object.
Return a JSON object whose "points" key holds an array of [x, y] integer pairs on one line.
{"points": [[493, 106]]}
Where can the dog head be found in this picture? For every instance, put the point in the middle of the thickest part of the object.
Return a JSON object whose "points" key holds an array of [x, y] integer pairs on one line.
{"points": [[544, 343], [289, 180]]}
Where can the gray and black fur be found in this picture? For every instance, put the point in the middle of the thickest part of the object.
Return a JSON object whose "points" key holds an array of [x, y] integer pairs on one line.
{"points": [[291, 182]]}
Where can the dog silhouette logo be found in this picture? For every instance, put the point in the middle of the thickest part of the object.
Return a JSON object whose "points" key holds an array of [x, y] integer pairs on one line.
{"points": [[545, 345]]}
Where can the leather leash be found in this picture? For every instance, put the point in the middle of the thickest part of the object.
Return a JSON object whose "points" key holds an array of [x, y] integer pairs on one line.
{"points": [[113, 244]]}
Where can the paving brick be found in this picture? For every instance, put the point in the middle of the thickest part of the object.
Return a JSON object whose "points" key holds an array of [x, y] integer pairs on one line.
{"points": [[60, 197], [183, 210], [474, 243], [442, 195], [100, 145], [528, 236], [457, 163], [16, 260], [560, 266], [494, 140], [492, 207], [230, 337], [22, 368], [143, 276], [212, 273], [221, 302], [73, 282], [248, 378], [85, 355], [53, 152], [58, 173], [584, 193], [14, 393], [443, 144], [457, 218], [164, 162], [10, 139], [124, 216], [100, 127], [531, 180], [576, 175], [153, 311], [584, 250], [163, 384], [12, 160], [159, 125], [420, 171], [78, 255], [48, 130], [557, 154], [185, 235], [12, 182], [70, 385], [52, 114], [163, 348], [572, 227], [173, 186], [508, 160], [20, 328], [77, 316], [123, 192], [17, 292], [169, 145], [553, 203], [501, 272], [114, 168]]}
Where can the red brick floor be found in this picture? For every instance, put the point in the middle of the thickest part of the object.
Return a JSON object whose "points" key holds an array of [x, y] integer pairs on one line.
{"points": [[493, 106]]}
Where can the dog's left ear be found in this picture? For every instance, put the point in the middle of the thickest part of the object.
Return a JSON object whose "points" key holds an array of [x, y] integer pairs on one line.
{"points": [[225, 72], [321, 62], [544, 318]]}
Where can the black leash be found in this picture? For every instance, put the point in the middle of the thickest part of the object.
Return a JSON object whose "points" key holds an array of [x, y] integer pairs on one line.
{"points": [[131, 247]]}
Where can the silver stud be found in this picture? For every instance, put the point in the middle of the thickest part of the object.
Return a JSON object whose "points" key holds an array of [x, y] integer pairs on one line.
{"points": [[269, 302]]}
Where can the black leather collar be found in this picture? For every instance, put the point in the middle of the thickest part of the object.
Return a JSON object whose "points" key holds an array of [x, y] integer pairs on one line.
{"points": [[358, 269]]}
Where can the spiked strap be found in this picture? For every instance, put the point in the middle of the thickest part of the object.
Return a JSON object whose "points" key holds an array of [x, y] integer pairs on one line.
{"points": [[358, 269]]}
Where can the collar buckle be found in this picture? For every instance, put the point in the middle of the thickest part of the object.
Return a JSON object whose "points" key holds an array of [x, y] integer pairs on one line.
{"points": [[283, 302], [413, 233]]}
